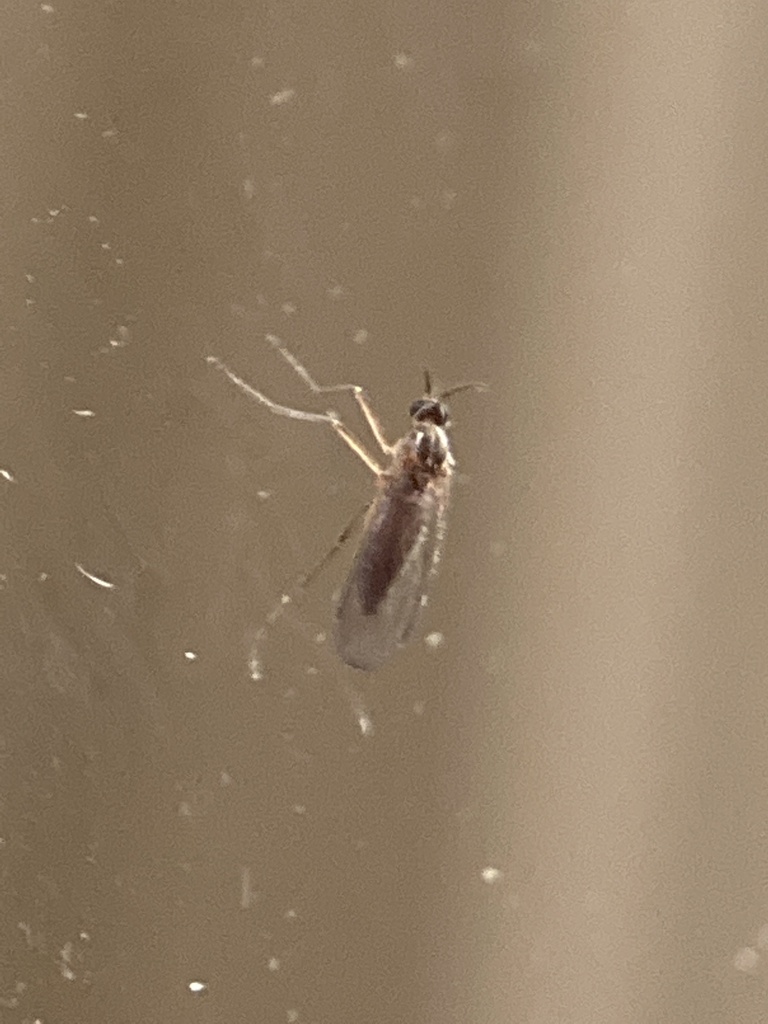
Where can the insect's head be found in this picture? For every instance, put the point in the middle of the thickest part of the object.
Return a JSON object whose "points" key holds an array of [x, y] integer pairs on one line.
{"points": [[429, 410], [432, 408]]}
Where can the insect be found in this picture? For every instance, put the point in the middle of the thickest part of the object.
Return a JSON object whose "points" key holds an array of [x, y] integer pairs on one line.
{"points": [[404, 524]]}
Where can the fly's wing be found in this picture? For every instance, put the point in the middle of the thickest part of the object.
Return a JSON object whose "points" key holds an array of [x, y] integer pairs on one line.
{"points": [[382, 597]]}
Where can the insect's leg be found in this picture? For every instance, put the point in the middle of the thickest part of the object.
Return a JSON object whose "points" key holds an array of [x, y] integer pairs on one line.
{"points": [[356, 446], [361, 397], [338, 544], [358, 707], [360, 394], [349, 692], [300, 414], [301, 584]]}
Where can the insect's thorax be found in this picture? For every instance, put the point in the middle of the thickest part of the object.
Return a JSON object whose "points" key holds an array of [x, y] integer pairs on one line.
{"points": [[423, 456]]}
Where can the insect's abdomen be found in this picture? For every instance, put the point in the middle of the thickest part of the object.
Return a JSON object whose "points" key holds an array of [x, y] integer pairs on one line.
{"points": [[382, 596]]}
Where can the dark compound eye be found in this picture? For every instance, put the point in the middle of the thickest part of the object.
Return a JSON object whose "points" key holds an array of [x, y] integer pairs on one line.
{"points": [[427, 409]]}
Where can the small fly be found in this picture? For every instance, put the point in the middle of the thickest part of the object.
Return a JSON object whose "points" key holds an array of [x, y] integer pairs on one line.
{"points": [[404, 524]]}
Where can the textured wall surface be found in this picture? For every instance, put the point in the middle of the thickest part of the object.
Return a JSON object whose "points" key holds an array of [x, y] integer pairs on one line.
{"points": [[561, 814]]}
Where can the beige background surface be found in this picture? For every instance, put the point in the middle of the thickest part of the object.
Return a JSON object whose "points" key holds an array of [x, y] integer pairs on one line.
{"points": [[566, 199]]}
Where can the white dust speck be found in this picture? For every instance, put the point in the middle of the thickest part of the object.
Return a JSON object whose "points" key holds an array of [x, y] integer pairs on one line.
{"points": [[47, 8], [291, 1016], [402, 61], [365, 722], [85, 414], [263, 495], [6, 474], [434, 640], [360, 337], [490, 875], [123, 337], [98, 580], [279, 99], [746, 959], [65, 960], [190, 655], [80, 115], [198, 987], [247, 895], [273, 963], [255, 670]]}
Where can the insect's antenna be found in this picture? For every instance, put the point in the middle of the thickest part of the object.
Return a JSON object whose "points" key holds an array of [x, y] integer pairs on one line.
{"points": [[427, 382], [472, 385]]}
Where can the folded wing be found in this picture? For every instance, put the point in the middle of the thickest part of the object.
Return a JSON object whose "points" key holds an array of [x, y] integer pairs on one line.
{"points": [[380, 602]]}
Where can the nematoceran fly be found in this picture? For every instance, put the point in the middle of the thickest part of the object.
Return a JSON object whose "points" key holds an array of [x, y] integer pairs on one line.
{"points": [[404, 523]]}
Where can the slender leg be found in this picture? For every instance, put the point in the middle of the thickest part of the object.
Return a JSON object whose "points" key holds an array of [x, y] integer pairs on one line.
{"points": [[356, 702], [360, 394], [361, 397], [352, 696], [304, 580], [299, 414], [300, 585]]}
